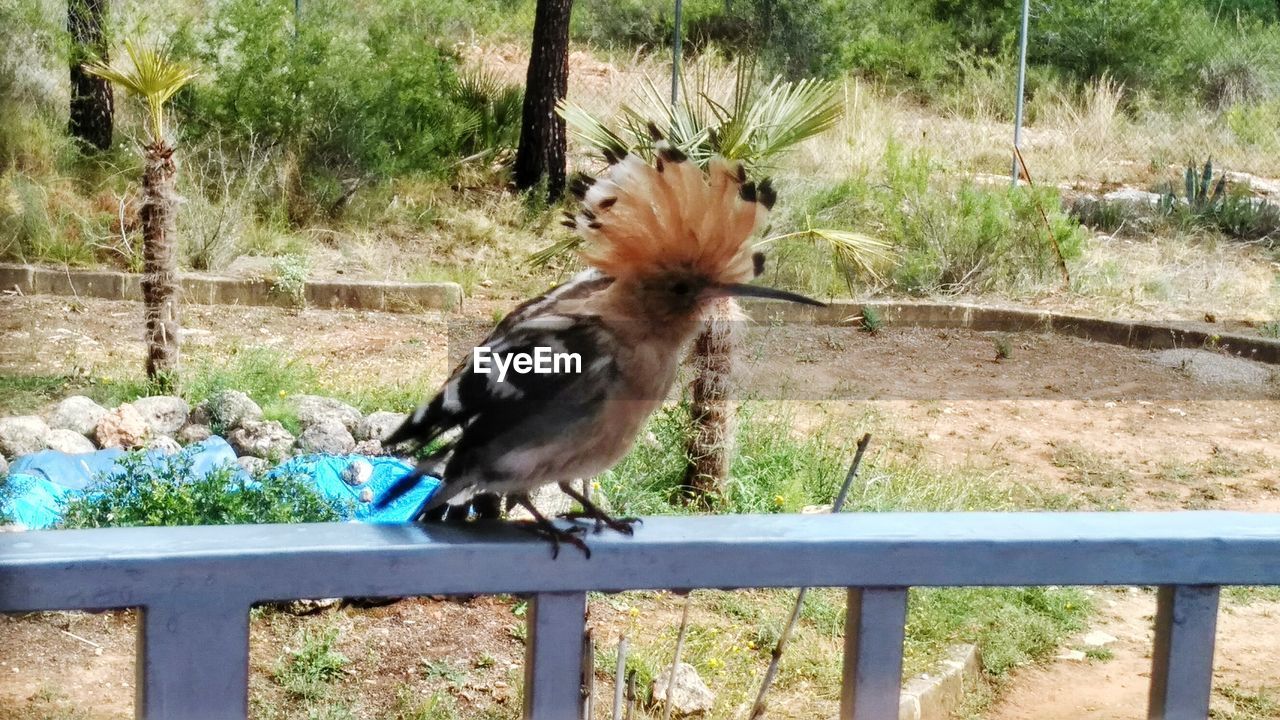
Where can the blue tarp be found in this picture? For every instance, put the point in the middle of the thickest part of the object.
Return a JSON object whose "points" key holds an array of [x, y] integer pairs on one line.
{"points": [[325, 472], [42, 483]]}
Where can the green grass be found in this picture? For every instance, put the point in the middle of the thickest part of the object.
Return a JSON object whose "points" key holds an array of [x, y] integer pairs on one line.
{"points": [[23, 394], [777, 469], [780, 470], [269, 376], [1246, 704], [309, 672], [1247, 594], [437, 706]]}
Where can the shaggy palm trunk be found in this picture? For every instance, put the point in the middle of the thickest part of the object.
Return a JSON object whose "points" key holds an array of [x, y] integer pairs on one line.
{"points": [[710, 447], [542, 131], [160, 262], [92, 101]]}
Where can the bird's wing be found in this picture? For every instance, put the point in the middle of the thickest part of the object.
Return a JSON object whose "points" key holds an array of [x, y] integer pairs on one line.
{"points": [[578, 287], [445, 411], [486, 405]]}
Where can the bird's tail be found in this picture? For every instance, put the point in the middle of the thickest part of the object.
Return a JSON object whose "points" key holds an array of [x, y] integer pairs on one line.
{"points": [[639, 216]]}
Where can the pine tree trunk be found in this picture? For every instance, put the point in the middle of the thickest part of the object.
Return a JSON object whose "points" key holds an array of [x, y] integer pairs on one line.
{"points": [[710, 447], [160, 262], [542, 131], [92, 100]]}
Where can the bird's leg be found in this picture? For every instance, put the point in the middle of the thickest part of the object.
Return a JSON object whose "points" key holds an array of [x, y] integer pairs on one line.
{"points": [[593, 511], [545, 528]]}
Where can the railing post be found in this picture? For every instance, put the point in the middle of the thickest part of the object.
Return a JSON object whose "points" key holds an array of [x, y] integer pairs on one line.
{"points": [[192, 659], [553, 656], [873, 632], [1182, 659]]}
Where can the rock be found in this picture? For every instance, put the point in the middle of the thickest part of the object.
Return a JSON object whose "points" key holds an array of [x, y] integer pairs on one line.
{"points": [[366, 495], [77, 413], [164, 414], [1097, 638], [192, 433], [265, 439], [22, 435], [1072, 655], [199, 414], [314, 409], [69, 441], [4, 466], [379, 425], [357, 472], [1133, 196], [311, 607], [369, 447], [549, 500], [1255, 183], [327, 436], [164, 444], [255, 466], [228, 409], [123, 427], [689, 695]]}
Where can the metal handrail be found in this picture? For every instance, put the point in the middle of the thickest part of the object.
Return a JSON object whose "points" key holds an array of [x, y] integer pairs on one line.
{"points": [[195, 585]]}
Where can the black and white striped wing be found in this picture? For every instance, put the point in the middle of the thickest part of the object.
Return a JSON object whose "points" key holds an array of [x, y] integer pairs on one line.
{"points": [[487, 408]]}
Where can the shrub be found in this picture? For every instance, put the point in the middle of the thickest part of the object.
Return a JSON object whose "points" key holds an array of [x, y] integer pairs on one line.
{"points": [[494, 108], [345, 101], [166, 492], [972, 238]]}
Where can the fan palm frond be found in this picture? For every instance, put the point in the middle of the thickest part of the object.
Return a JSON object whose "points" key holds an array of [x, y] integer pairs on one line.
{"points": [[755, 125], [154, 76]]}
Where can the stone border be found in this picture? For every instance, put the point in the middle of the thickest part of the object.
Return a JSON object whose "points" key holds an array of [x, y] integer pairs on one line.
{"points": [[934, 697], [1134, 334], [215, 290], [414, 297]]}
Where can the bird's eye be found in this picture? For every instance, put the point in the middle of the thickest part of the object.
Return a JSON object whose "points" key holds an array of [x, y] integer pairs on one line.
{"points": [[680, 288]]}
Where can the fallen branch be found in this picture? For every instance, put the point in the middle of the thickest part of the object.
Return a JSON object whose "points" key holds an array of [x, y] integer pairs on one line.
{"points": [[1053, 239], [675, 662], [757, 710]]}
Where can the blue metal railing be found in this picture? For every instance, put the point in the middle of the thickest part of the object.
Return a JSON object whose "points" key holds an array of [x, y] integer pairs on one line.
{"points": [[195, 585]]}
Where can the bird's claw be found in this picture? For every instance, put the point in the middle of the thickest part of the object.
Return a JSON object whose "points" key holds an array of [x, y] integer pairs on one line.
{"points": [[558, 535], [623, 525]]}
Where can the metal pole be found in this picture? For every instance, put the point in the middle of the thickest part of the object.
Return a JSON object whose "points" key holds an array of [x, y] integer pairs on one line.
{"points": [[1022, 83], [675, 53]]}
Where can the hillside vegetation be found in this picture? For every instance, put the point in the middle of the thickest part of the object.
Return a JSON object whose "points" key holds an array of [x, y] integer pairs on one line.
{"points": [[376, 139]]}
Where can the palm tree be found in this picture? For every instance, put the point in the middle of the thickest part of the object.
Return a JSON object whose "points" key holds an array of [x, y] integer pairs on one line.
{"points": [[759, 124], [92, 103], [155, 78]]}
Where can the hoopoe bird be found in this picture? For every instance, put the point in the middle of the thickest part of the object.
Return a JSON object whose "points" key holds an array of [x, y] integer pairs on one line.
{"points": [[664, 242]]}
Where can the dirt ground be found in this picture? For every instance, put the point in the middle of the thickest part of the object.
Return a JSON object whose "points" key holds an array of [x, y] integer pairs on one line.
{"points": [[1106, 426]]}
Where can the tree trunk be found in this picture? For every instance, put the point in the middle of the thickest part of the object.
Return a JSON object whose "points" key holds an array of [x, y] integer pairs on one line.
{"points": [[92, 101], [542, 131], [160, 263], [710, 447]]}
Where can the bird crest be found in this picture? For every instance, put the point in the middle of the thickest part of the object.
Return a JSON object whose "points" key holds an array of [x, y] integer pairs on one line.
{"points": [[641, 219]]}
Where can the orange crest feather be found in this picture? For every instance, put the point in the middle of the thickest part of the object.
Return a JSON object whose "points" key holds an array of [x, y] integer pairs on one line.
{"points": [[640, 219]]}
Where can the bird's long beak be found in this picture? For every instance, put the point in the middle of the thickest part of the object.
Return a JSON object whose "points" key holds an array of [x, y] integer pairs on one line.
{"points": [[757, 291]]}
